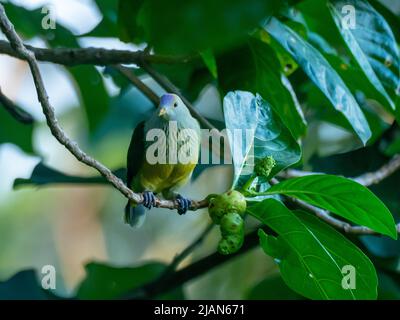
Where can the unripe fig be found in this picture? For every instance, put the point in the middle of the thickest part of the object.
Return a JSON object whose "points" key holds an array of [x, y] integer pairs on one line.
{"points": [[231, 201], [216, 209], [230, 244], [232, 223]]}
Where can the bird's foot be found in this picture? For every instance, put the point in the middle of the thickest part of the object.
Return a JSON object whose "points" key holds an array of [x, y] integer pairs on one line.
{"points": [[149, 199], [183, 204]]}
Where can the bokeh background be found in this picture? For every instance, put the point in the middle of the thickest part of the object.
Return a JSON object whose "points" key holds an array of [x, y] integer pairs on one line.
{"points": [[69, 226]]}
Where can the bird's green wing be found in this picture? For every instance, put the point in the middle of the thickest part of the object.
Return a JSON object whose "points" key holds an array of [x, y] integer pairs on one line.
{"points": [[136, 153]]}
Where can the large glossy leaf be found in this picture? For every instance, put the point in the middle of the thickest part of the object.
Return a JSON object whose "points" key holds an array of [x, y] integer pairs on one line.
{"points": [[372, 44], [322, 74], [378, 119], [107, 282], [341, 196], [368, 96], [185, 26], [267, 136], [272, 84], [256, 67], [311, 255], [272, 288], [390, 15]]}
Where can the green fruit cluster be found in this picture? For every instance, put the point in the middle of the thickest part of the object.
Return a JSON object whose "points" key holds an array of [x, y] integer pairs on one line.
{"points": [[227, 210], [231, 201], [264, 166]]}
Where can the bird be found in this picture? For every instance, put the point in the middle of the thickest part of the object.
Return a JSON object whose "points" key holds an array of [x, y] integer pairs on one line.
{"points": [[176, 155]]}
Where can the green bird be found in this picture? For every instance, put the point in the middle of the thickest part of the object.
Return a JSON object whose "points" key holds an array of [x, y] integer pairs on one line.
{"points": [[178, 147]]}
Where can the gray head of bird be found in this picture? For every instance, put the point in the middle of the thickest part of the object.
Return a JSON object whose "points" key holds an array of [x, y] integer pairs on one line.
{"points": [[172, 108]]}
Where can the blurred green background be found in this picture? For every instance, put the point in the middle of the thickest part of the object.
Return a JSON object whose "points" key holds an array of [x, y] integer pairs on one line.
{"points": [[71, 226]]}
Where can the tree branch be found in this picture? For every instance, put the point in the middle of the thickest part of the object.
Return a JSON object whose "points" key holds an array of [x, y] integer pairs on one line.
{"points": [[94, 56], [371, 178], [171, 281], [186, 252], [149, 93], [366, 179], [16, 112], [338, 224], [57, 131], [170, 270], [158, 287]]}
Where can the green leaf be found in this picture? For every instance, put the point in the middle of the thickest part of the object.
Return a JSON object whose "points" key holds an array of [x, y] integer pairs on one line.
{"points": [[393, 148], [390, 16], [267, 136], [378, 119], [128, 27], [13, 131], [43, 175], [341, 196], [107, 282], [358, 82], [372, 44], [322, 74], [272, 288], [22, 286], [93, 94], [107, 27], [276, 88], [94, 97], [128, 24], [314, 254], [210, 62], [177, 26], [287, 64]]}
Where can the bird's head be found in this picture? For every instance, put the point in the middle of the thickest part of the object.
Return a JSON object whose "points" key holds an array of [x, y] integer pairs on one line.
{"points": [[172, 108]]}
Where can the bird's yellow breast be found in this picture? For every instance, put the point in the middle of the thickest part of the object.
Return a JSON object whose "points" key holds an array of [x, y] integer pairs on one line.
{"points": [[160, 177], [172, 172]]}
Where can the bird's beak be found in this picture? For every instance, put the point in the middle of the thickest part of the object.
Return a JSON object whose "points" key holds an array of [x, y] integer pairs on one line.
{"points": [[162, 112]]}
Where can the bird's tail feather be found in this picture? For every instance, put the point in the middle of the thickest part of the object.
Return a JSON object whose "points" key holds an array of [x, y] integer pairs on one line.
{"points": [[135, 215]]}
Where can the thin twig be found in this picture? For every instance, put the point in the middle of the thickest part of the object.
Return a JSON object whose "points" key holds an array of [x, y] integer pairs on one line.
{"points": [[371, 178], [185, 253], [149, 93], [293, 173], [16, 112], [94, 56], [170, 270], [366, 179], [338, 224], [156, 288], [57, 131]]}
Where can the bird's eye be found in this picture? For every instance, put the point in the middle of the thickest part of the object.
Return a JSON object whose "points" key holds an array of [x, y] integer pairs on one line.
{"points": [[175, 104]]}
